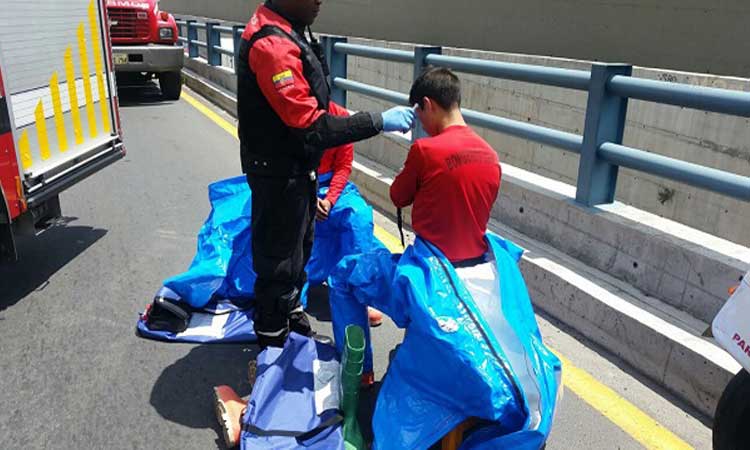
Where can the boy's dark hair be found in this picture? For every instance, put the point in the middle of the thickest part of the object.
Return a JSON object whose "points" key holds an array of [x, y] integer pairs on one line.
{"points": [[438, 84]]}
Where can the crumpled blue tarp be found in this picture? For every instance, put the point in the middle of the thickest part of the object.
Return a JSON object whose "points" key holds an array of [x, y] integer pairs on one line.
{"points": [[218, 321], [295, 399], [449, 337], [223, 266], [221, 276]]}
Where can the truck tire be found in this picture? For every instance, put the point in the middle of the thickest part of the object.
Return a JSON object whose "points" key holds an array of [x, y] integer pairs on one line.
{"points": [[171, 85], [731, 429]]}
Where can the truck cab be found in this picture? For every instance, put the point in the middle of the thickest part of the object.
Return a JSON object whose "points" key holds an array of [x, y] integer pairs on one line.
{"points": [[144, 45]]}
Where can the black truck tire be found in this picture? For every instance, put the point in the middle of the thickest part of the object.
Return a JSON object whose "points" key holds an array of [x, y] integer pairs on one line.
{"points": [[171, 85], [731, 429]]}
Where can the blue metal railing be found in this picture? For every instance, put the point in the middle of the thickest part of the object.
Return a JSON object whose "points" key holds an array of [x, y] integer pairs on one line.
{"points": [[212, 44], [609, 87]]}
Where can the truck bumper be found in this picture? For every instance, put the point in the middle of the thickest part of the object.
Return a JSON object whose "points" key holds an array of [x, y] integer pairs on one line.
{"points": [[148, 58]]}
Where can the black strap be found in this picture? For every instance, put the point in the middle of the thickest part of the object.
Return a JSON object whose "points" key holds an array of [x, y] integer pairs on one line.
{"points": [[317, 48], [471, 262], [400, 224], [333, 420]]}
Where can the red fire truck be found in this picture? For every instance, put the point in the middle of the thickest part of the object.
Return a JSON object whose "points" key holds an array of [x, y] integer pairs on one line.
{"points": [[59, 120], [145, 45]]}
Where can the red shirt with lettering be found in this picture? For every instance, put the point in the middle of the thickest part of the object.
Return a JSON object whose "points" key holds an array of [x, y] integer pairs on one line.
{"points": [[452, 180]]}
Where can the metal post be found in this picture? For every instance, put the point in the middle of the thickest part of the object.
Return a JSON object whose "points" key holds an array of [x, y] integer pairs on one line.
{"points": [[420, 53], [605, 122], [337, 62], [237, 39], [213, 37], [192, 36]]}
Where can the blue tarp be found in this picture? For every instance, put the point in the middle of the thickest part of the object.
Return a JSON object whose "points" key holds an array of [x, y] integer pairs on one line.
{"points": [[476, 325], [219, 321], [223, 266], [222, 271], [295, 399]]}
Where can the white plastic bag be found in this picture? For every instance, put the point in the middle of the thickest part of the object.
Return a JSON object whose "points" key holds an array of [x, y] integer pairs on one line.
{"points": [[731, 327]]}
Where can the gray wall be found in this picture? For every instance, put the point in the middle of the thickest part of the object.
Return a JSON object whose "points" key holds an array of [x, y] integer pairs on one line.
{"points": [[694, 35], [714, 140]]}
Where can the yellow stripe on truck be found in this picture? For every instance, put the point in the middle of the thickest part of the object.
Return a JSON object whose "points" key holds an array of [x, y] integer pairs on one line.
{"points": [[75, 112], [99, 67], [41, 131], [23, 146], [86, 74], [62, 137]]}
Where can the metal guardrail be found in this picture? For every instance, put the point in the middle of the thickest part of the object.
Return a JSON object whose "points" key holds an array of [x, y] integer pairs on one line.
{"points": [[609, 87], [212, 44]]}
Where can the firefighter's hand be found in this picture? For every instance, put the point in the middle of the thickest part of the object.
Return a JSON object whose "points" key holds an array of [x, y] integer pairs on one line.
{"points": [[400, 118], [324, 208]]}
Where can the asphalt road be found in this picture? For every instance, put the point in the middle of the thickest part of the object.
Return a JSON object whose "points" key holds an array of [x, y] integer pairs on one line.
{"points": [[74, 376]]}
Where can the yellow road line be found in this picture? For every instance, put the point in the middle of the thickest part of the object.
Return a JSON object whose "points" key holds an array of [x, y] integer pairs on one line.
{"points": [[23, 146], [75, 112], [217, 119], [41, 131], [391, 242], [619, 411], [86, 74], [99, 67], [62, 137]]}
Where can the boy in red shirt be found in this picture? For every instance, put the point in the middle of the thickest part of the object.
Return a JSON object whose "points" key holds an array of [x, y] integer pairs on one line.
{"points": [[451, 178], [337, 160]]}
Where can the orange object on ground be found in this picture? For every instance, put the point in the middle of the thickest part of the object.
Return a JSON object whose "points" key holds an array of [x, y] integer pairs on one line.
{"points": [[375, 317], [453, 440], [368, 379], [229, 409]]}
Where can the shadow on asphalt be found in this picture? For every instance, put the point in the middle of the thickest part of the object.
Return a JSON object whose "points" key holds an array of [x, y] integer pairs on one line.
{"points": [[144, 94], [183, 393], [42, 256]]}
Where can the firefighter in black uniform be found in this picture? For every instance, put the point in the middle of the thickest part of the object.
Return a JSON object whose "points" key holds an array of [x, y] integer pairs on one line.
{"points": [[284, 127]]}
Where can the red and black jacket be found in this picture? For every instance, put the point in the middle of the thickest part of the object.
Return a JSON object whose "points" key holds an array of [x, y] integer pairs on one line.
{"points": [[283, 99]]}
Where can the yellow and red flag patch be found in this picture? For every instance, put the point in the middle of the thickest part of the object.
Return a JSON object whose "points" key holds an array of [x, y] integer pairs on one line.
{"points": [[283, 79]]}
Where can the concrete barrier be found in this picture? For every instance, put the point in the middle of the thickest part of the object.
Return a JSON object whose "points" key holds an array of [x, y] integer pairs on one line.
{"points": [[697, 36]]}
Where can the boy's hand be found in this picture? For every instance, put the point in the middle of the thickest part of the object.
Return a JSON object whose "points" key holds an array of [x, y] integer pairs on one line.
{"points": [[324, 208]]}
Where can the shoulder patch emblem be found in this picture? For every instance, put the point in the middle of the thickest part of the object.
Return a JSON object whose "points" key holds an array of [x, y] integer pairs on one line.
{"points": [[283, 79]]}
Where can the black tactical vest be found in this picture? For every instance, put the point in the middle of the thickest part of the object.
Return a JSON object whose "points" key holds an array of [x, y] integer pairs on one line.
{"points": [[267, 146]]}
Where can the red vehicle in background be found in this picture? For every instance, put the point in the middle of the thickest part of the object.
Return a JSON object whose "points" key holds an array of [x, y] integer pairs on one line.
{"points": [[145, 46]]}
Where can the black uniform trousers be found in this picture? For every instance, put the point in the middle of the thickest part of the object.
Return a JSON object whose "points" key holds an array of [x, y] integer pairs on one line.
{"points": [[283, 223]]}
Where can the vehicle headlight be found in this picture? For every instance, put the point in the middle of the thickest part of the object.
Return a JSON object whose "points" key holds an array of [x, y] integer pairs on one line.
{"points": [[166, 33]]}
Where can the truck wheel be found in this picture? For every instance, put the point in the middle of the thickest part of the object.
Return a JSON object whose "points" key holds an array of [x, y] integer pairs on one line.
{"points": [[732, 418], [171, 85]]}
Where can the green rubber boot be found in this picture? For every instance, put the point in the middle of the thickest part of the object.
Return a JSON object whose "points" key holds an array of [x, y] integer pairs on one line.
{"points": [[351, 376]]}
